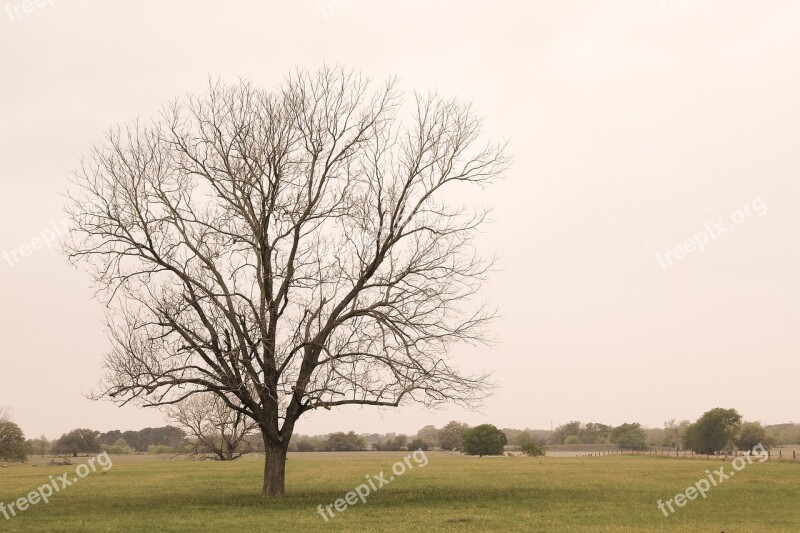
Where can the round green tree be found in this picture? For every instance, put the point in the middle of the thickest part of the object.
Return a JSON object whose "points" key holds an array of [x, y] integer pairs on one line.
{"points": [[12, 442], [751, 435], [715, 431], [77, 441], [482, 440]]}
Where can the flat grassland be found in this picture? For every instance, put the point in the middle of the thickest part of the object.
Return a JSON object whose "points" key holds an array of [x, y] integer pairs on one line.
{"points": [[451, 493]]}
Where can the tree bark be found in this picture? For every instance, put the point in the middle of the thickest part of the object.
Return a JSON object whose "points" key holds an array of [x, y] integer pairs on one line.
{"points": [[274, 468]]}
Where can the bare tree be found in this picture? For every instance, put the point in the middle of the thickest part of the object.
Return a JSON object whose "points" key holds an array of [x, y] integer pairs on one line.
{"points": [[288, 245], [215, 426], [5, 414]]}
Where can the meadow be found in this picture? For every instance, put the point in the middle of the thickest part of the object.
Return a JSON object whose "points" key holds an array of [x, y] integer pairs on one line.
{"points": [[451, 493]]}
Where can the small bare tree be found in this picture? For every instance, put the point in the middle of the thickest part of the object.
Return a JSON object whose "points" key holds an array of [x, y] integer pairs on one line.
{"points": [[215, 426], [288, 251]]}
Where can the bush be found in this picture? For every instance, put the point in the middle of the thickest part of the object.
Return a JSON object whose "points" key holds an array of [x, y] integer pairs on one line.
{"points": [[482, 440], [533, 449], [159, 449], [120, 447]]}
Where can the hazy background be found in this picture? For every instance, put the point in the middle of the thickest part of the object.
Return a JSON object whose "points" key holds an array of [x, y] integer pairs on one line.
{"points": [[634, 125]]}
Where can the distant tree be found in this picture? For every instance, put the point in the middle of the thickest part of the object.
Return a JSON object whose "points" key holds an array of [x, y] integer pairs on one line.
{"points": [[564, 431], [595, 433], [216, 427], [120, 447], [77, 441], [430, 435], [392, 444], [39, 446], [419, 444], [160, 449], [305, 445], [482, 440], [521, 439], [110, 437], [590, 433], [533, 448], [451, 435], [512, 434], [629, 436], [715, 431], [750, 435], [671, 435], [12, 440], [783, 434], [344, 442]]}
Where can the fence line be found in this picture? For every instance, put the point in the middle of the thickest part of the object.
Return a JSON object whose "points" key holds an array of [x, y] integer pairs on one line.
{"points": [[772, 455]]}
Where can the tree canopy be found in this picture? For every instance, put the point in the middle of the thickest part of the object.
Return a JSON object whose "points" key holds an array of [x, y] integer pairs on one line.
{"points": [[13, 446], [629, 436], [451, 436], [715, 431], [76, 442], [482, 440]]}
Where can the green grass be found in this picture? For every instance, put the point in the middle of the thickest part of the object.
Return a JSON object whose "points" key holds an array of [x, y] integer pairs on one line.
{"points": [[614, 493]]}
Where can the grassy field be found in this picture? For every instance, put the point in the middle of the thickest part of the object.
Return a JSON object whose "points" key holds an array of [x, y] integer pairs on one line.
{"points": [[451, 493]]}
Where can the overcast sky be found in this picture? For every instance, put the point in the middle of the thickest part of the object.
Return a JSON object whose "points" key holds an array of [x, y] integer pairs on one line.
{"points": [[636, 126]]}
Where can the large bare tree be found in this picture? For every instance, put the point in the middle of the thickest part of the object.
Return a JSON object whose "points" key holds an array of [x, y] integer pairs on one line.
{"points": [[289, 250]]}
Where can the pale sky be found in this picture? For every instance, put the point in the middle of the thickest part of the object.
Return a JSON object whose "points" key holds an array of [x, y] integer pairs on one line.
{"points": [[635, 125]]}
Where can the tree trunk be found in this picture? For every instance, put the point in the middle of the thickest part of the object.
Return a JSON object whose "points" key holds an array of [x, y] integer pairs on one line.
{"points": [[274, 469]]}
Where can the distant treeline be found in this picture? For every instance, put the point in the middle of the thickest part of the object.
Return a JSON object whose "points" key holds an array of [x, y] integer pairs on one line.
{"points": [[143, 439], [629, 435], [169, 439], [165, 439]]}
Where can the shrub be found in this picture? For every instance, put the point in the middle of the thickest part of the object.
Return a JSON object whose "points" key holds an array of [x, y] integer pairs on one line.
{"points": [[533, 449], [482, 440]]}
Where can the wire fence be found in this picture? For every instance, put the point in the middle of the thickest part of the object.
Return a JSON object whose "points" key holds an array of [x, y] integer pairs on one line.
{"points": [[772, 455]]}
